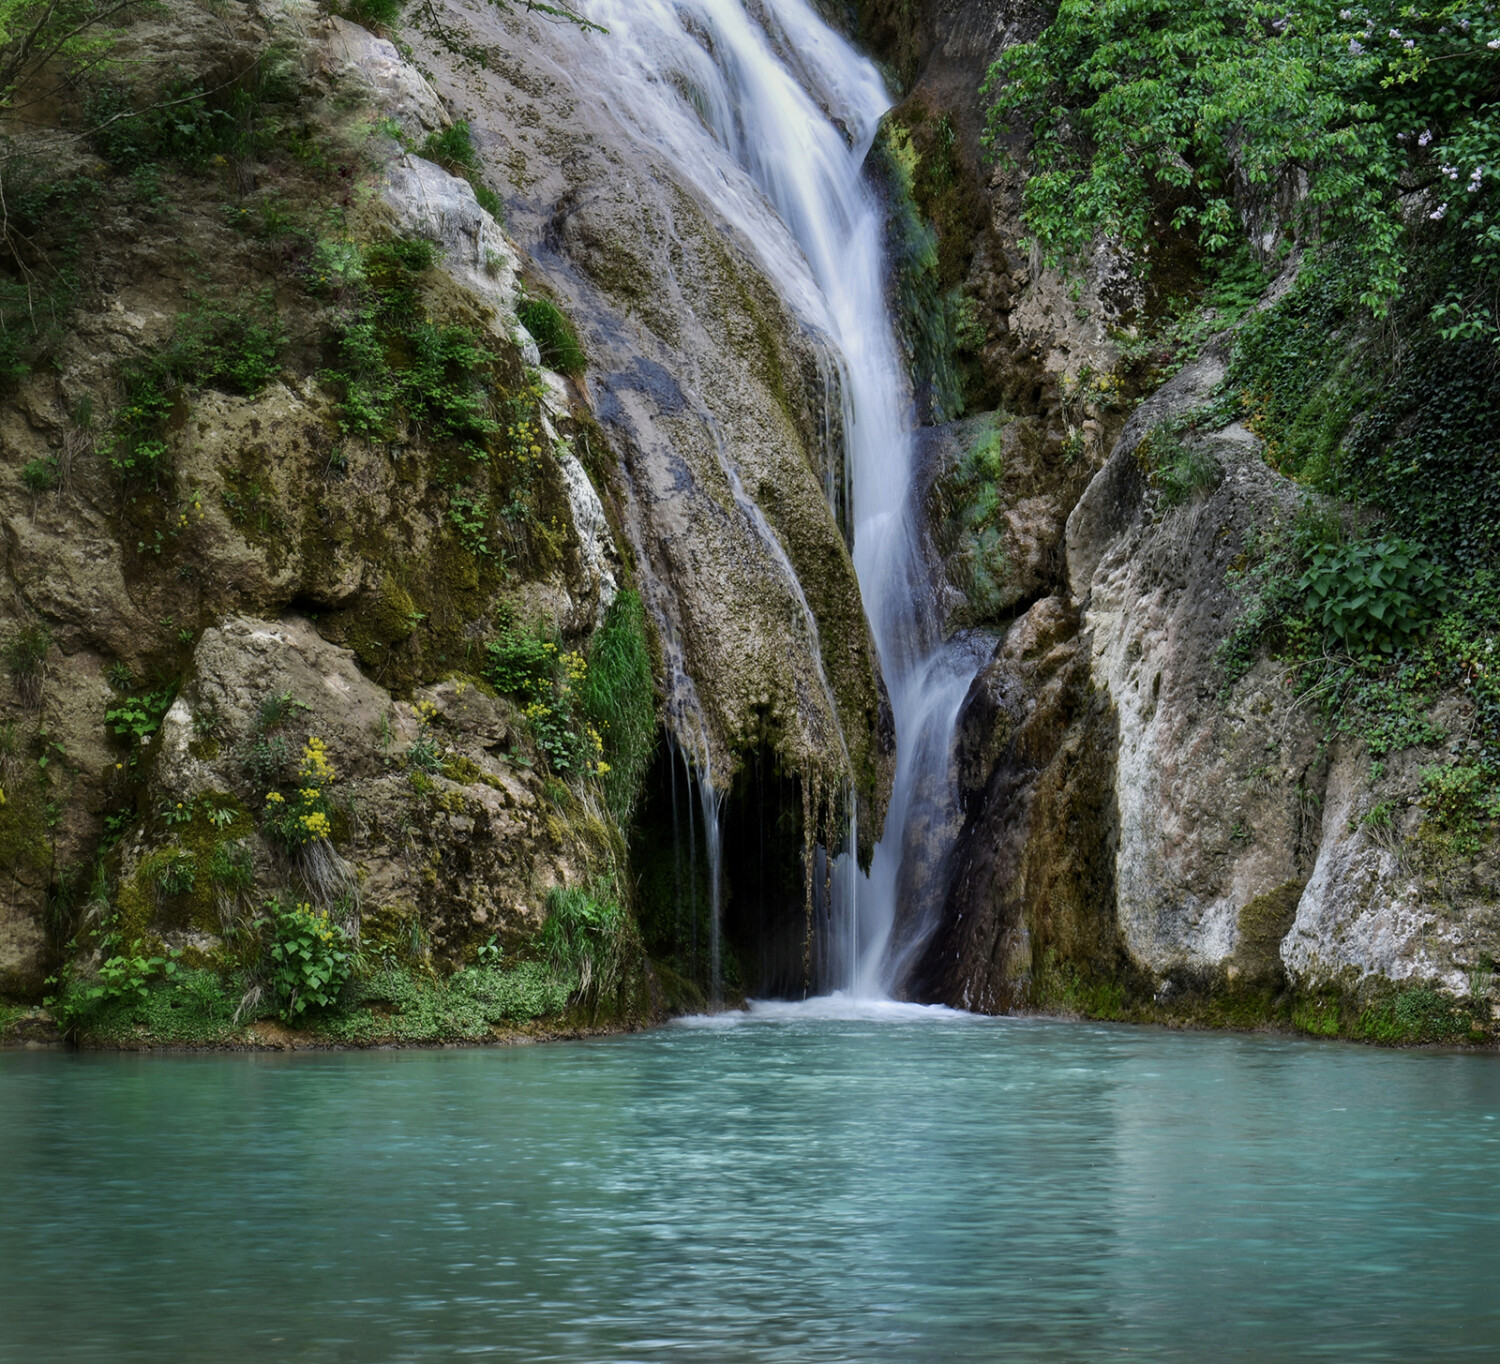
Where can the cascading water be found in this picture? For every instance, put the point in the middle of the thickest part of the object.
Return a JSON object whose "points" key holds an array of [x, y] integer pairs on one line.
{"points": [[771, 115]]}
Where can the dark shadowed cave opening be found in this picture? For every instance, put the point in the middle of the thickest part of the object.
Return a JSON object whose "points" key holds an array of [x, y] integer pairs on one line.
{"points": [[766, 948]]}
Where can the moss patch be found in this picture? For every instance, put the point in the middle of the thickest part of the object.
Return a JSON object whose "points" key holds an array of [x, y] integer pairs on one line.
{"points": [[1263, 923]]}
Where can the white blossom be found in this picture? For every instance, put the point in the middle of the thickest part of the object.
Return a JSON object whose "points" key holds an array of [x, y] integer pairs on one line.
{"points": [[1437, 214], [1425, 138]]}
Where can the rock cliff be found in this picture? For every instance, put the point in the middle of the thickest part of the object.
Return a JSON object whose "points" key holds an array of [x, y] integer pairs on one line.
{"points": [[1160, 816]]}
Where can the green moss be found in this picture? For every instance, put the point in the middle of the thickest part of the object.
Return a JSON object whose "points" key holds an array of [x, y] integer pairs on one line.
{"points": [[967, 505], [935, 215], [24, 842], [1263, 923], [177, 886], [462, 769]]}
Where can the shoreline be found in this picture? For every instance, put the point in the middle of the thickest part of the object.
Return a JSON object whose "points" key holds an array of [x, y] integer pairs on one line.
{"points": [[37, 1031]]}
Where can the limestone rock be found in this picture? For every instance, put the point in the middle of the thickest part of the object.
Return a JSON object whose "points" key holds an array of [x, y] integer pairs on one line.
{"points": [[350, 54]]}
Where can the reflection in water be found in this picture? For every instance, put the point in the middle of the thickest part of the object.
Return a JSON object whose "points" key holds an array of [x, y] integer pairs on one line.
{"points": [[844, 1181]]}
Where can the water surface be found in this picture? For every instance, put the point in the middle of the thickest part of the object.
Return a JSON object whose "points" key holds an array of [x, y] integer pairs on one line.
{"points": [[886, 1185]]}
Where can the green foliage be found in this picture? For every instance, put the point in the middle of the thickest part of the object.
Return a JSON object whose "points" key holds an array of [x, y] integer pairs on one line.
{"points": [[310, 959], [531, 668], [1384, 698], [521, 664], [554, 335], [930, 314], [391, 1003], [177, 874], [373, 14], [973, 524], [41, 475], [25, 650], [193, 123], [47, 221], [1461, 801], [231, 867], [1373, 595], [1416, 1015], [453, 149], [1180, 470], [1424, 453], [126, 976], [589, 937], [469, 515], [233, 346], [1422, 449], [1325, 117], [392, 361], [36, 33], [137, 718], [618, 698]]}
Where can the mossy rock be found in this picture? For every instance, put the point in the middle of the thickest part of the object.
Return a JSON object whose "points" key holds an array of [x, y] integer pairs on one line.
{"points": [[1263, 923]]}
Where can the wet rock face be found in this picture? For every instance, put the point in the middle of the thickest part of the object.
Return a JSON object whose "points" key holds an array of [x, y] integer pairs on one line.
{"points": [[1031, 872], [1211, 789], [996, 494], [714, 402], [1133, 820]]}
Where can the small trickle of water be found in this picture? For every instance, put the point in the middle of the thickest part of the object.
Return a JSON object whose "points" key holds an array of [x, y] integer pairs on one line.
{"points": [[771, 114]]}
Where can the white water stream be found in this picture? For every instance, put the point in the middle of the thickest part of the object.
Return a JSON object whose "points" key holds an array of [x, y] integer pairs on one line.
{"points": [[771, 114]]}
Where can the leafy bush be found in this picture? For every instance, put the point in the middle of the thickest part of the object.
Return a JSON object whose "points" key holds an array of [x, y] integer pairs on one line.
{"points": [[617, 696], [127, 975], [550, 683], [554, 335], [185, 121], [390, 360], [1373, 595], [137, 718], [310, 959], [1325, 116], [521, 664]]}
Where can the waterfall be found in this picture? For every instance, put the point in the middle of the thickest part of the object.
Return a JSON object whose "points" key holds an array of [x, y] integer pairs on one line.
{"points": [[771, 114]]}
